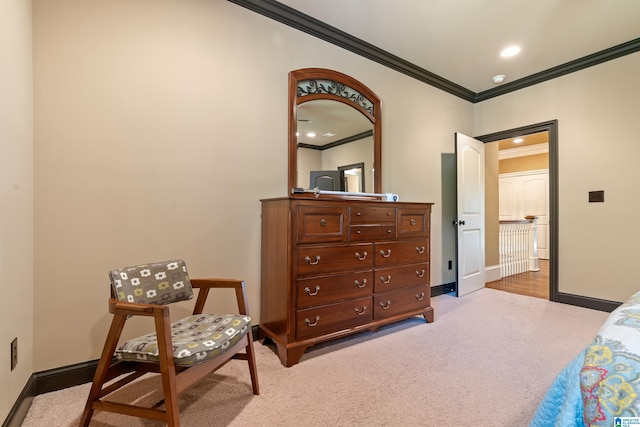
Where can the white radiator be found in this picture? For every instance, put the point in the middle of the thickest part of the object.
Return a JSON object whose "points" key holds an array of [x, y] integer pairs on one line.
{"points": [[518, 247]]}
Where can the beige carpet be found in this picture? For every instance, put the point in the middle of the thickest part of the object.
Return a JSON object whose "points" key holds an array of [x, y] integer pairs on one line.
{"points": [[487, 360]]}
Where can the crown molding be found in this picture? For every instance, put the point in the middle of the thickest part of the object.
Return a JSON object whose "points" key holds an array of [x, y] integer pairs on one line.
{"points": [[529, 150], [305, 23], [563, 69]]}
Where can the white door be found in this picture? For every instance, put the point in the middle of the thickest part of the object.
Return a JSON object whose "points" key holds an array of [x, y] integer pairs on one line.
{"points": [[470, 221]]}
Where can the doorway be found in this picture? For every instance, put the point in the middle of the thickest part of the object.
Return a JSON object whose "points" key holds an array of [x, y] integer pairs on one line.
{"points": [[522, 165], [551, 128]]}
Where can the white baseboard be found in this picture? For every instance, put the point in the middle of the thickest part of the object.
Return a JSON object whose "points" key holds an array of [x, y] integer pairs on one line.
{"points": [[491, 273]]}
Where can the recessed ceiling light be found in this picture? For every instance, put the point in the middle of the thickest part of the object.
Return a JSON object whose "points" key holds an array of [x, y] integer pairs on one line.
{"points": [[518, 140], [329, 134], [510, 51], [311, 134], [499, 78]]}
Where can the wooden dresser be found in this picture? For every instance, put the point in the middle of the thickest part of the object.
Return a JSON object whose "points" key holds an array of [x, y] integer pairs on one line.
{"points": [[335, 267]]}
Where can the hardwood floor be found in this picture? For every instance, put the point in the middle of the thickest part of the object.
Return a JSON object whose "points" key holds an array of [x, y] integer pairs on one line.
{"points": [[531, 283]]}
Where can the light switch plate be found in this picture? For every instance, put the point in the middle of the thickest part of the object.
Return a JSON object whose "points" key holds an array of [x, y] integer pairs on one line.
{"points": [[596, 196]]}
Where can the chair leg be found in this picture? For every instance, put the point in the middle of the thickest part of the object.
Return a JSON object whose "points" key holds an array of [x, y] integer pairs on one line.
{"points": [[117, 324], [170, 396], [167, 370], [251, 359]]}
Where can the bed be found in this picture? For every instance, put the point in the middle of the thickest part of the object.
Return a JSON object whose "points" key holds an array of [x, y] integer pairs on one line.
{"points": [[601, 385]]}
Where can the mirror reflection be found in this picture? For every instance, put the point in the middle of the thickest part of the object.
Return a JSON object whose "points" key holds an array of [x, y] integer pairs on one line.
{"points": [[335, 147]]}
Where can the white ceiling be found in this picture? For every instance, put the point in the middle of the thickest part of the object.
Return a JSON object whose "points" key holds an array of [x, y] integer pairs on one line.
{"points": [[460, 40]]}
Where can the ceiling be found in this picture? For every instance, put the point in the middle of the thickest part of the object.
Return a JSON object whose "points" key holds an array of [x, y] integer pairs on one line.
{"points": [[457, 44]]}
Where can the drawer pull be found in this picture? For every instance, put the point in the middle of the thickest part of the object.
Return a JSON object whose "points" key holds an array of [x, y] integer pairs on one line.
{"points": [[312, 262], [387, 280], [412, 222], [323, 222], [358, 232], [420, 297], [358, 213], [361, 257], [389, 231], [420, 273], [385, 255], [386, 305], [358, 284], [309, 323], [314, 293], [360, 313], [420, 249]]}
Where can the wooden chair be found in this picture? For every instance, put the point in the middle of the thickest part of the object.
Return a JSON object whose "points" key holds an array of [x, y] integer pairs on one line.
{"points": [[182, 352]]}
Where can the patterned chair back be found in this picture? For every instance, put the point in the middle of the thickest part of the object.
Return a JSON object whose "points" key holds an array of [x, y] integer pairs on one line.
{"points": [[156, 283]]}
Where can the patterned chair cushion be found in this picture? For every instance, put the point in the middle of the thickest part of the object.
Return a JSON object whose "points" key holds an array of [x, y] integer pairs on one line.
{"points": [[155, 283], [196, 338]]}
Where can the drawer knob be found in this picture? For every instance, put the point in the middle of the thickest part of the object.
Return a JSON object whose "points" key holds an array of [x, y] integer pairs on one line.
{"points": [[387, 254], [310, 323], [420, 249], [309, 292], [412, 222], [420, 297], [420, 273], [323, 222], [361, 257], [312, 262], [385, 280], [386, 305], [360, 285], [361, 312], [358, 213]]}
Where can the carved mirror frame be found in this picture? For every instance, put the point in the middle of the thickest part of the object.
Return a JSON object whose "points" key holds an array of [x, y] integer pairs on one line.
{"points": [[308, 84]]}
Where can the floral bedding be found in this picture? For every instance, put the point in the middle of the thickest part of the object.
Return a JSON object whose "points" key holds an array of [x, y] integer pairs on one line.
{"points": [[601, 386]]}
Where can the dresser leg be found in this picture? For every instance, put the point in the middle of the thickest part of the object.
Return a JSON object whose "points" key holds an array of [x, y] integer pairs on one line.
{"points": [[290, 356], [429, 315]]}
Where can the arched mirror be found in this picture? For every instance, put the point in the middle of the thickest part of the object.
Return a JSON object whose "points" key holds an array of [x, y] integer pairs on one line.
{"points": [[334, 134]]}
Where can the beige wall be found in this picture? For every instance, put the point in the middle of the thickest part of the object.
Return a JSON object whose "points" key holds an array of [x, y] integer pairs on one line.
{"points": [[597, 111], [159, 127], [525, 163], [491, 205], [16, 198]]}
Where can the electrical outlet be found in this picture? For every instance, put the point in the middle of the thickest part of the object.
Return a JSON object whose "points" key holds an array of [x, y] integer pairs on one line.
{"points": [[14, 353]]}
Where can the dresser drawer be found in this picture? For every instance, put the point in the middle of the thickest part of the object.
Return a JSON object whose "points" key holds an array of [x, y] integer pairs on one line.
{"points": [[413, 223], [317, 260], [329, 289], [319, 224], [377, 215], [332, 318], [399, 253], [401, 301], [368, 233], [387, 279]]}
